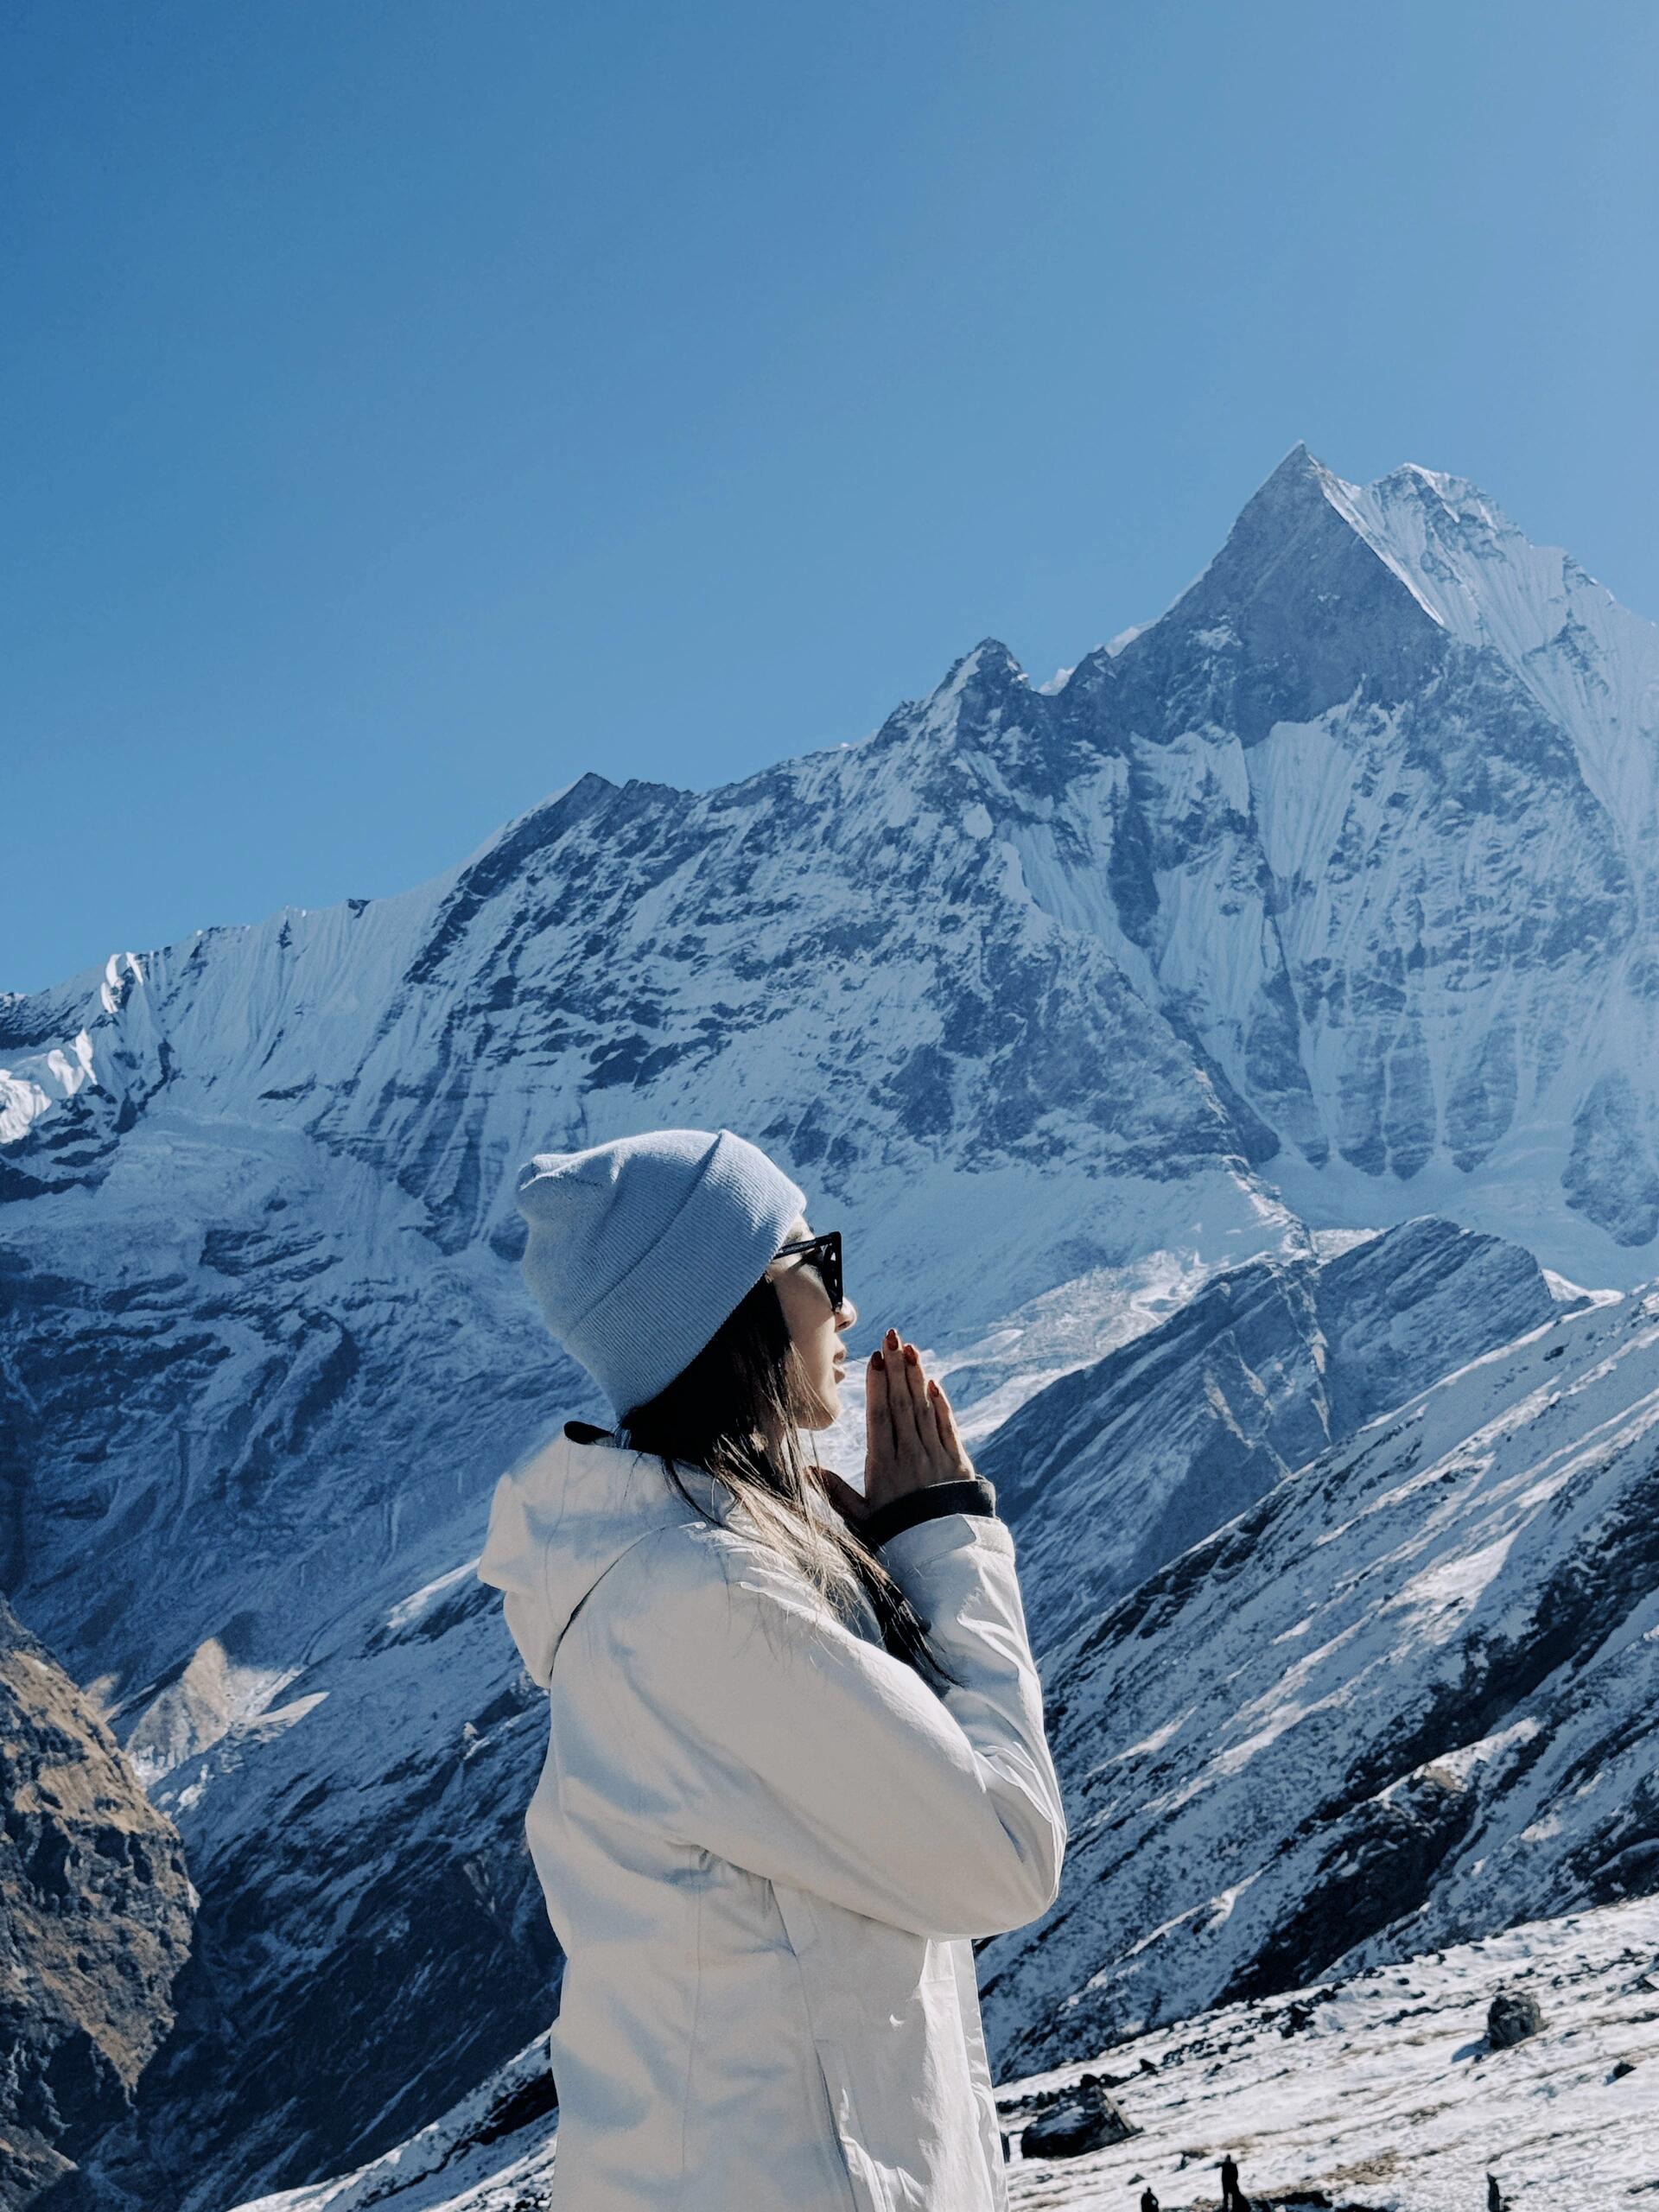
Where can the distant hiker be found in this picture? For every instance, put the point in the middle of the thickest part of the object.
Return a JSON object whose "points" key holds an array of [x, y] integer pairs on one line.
{"points": [[1232, 2198], [765, 1854], [1149, 2202], [1496, 2200]]}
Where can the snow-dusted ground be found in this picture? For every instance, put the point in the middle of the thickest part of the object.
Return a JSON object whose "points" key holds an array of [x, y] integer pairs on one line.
{"points": [[1379, 2090], [1389, 2096]]}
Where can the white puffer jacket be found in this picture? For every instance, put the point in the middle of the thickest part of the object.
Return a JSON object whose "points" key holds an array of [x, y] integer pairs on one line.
{"points": [[765, 1843]]}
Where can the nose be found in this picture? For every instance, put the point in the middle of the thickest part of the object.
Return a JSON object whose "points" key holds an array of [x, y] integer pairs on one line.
{"points": [[846, 1313]]}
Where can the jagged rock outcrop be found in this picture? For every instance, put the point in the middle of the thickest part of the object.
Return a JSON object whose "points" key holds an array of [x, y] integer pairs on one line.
{"points": [[95, 1917], [1088, 2119], [1512, 2016]]}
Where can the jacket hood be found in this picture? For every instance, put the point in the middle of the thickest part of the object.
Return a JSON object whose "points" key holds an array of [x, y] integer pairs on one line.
{"points": [[562, 1517]]}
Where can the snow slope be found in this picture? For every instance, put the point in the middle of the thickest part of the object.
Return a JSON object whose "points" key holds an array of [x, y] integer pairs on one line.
{"points": [[1377, 2089]]}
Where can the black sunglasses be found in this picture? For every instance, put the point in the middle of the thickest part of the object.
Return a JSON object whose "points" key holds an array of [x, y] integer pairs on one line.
{"points": [[823, 1253]]}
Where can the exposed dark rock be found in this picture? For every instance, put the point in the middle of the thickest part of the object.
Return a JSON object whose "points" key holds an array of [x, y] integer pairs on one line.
{"points": [[1087, 2118], [1513, 2015], [1380, 1858], [533, 2100], [1302, 2013], [95, 1919]]}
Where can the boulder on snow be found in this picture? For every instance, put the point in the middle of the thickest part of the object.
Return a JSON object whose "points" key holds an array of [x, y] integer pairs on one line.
{"points": [[1512, 2016], [1085, 2118]]}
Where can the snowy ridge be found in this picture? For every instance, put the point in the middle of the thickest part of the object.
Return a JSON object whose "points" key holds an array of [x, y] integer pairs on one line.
{"points": [[1117, 1467], [1407, 1698], [1592, 664]]}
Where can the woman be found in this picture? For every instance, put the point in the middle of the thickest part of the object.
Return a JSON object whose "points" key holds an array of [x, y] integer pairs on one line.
{"points": [[765, 1856]]}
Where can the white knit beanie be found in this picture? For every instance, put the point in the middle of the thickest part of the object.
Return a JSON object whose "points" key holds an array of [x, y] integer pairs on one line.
{"points": [[639, 1248]]}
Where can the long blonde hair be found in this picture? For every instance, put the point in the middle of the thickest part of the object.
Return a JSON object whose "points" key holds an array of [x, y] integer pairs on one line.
{"points": [[732, 1412]]}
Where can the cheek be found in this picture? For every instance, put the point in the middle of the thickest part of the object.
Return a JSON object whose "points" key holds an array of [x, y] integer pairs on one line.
{"points": [[814, 1333]]}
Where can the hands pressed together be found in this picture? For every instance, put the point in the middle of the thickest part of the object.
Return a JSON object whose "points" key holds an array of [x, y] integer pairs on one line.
{"points": [[910, 1436]]}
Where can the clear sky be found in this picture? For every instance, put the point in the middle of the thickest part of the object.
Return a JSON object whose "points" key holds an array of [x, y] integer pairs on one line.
{"points": [[409, 406]]}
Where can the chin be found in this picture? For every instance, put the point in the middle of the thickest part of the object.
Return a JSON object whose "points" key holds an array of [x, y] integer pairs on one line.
{"points": [[829, 1408]]}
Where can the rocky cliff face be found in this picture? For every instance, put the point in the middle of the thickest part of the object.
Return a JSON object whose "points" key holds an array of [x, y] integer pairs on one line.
{"points": [[95, 1917], [1327, 899]]}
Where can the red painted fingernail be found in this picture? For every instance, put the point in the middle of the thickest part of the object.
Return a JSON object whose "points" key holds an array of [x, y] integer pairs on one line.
{"points": [[877, 1360], [933, 1386], [912, 1355]]}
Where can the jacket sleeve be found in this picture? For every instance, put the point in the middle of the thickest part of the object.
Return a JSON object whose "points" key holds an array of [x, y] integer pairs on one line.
{"points": [[972, 1494], [761, 1728]]}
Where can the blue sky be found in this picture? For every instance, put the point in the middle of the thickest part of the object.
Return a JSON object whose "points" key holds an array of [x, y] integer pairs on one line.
{"points": [[410, 406]]}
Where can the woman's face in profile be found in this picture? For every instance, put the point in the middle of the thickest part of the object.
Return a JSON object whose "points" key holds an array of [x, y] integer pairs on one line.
{"points": [[815, 1330]]}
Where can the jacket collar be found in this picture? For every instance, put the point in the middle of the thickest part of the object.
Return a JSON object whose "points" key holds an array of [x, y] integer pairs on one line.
{"points": [[564, 1516]]}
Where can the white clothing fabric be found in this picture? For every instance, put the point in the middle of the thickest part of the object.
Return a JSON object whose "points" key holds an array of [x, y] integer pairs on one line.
{"points": [[766, 1845]]}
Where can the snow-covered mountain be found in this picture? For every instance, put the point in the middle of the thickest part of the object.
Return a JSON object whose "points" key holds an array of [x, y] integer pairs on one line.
{"points": [[1323, 898], [1409, 1697], [1320, 905]]}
